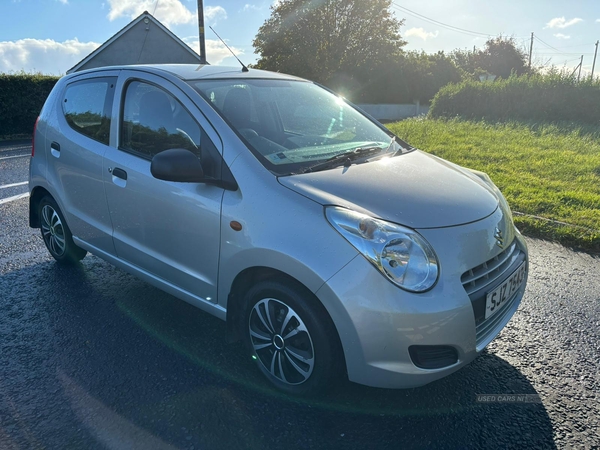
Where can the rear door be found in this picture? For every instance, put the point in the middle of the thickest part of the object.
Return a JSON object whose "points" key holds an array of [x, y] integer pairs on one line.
{"points": [[77, 137], [170, 230]]}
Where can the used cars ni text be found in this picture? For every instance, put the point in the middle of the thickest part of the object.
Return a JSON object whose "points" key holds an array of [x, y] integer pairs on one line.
{"points": [[331, 247]]}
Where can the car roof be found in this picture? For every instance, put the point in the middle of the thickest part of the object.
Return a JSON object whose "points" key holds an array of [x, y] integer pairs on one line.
{"points": [[198, 72]]}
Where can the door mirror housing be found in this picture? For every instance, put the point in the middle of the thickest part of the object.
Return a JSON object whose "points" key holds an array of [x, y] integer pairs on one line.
{"points": [[177, 164]]}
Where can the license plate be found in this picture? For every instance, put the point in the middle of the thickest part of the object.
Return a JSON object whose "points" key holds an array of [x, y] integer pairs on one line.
{"points": [[503, 293]]}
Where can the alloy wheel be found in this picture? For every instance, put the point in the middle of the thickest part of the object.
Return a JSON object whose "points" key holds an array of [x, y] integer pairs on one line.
{"points": [[53, 231], [281, 341]]}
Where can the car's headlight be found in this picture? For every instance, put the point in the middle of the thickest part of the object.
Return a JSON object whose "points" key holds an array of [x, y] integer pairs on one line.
{"points": [[488, 181], [400, 253]]}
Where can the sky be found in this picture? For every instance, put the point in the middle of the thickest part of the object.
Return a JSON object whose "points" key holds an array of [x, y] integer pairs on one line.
{"points": [[51, 36]]}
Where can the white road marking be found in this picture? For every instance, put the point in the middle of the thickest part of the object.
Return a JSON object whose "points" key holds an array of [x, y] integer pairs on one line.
{"points": [[13, 198], [18, 156], [4, 186], [9, 148]]}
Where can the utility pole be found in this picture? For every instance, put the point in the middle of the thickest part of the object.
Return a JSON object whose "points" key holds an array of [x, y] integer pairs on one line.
{"points": [[580, 66], [530, 51], [201, 31], [594, 63]]}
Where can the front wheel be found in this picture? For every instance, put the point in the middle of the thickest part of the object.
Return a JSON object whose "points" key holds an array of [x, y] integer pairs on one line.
{"points": [[56, 233], [292, 338]]}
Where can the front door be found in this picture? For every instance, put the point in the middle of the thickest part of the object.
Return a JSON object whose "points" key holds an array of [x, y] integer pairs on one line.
{"points": [[170, 230]]}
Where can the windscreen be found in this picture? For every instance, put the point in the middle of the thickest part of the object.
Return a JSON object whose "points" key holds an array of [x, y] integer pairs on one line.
{"points": [[290, 125]]}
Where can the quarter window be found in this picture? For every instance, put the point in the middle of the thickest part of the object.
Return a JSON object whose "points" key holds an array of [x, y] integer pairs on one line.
{"points": [[87, 107]]}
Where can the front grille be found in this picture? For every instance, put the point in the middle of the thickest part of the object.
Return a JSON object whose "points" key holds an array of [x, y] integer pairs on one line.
{"points": [[484, 278], [485, 274]]}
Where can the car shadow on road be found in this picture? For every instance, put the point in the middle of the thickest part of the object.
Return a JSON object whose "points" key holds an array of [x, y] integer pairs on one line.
{"points": [[130, 359]]}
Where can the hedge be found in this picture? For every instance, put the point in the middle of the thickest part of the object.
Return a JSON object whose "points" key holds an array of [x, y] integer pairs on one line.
{"points": [[21, 99], [540, 98]]}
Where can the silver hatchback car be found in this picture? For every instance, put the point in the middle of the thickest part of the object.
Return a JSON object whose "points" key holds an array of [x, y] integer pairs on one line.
{"points": [[331, 247]]}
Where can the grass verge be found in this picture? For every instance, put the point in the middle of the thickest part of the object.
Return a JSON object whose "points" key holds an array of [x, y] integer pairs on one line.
{"points": [[549, 173]]}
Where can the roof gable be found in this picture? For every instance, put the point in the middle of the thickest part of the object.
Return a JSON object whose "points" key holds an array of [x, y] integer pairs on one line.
{"points": [[149, 19]]}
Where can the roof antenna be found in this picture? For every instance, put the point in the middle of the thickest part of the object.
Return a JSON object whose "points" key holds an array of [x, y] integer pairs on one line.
{"points": [[244, 68]]}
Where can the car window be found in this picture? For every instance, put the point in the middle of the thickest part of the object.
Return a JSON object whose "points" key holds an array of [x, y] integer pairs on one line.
{"points": [[87, 107], [289, 125], [154, 120]]}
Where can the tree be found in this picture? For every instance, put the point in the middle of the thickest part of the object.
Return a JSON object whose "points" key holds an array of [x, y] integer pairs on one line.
{"points": [[424, 74], [499, 57], [340, 43]]}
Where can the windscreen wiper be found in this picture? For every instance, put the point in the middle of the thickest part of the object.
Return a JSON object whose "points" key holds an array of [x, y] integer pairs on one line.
{"points": [[347, 158]]}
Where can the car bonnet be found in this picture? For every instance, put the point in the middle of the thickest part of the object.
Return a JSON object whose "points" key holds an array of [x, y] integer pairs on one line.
{"points": [[416, 189]]}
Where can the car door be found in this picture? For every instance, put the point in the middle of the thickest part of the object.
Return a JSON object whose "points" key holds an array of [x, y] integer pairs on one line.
{"points": [[170, 230], [78, 136]]}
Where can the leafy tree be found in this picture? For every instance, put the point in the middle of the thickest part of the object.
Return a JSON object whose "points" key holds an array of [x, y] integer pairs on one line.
{"points": [[424, 74], [413, 76], [340, 43], [467, 60], [500, 57]]}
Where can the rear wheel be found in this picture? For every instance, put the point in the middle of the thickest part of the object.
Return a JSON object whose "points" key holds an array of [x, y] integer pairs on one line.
{"points": [[291, 338], [56, 233]]}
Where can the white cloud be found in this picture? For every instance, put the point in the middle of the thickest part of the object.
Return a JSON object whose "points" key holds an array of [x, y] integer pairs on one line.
{"points": [[169, 12], [561, 22], [562, 36], [214, 13], [249, 7], [421, 33], [216, 52], [43, 55]]}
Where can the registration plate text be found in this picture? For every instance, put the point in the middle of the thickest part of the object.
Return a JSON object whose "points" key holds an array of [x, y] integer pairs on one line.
{"points": [[503, 293]]}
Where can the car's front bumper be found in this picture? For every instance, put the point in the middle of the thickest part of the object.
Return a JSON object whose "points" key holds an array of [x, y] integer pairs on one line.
{"points": [[378, 322]]}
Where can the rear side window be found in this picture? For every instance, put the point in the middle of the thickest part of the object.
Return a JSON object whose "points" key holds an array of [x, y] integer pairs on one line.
{"points": [[87, 107]]}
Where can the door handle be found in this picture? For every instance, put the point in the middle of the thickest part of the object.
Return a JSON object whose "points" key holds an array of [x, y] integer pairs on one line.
{"points": [[119, 173], [55, 149]]}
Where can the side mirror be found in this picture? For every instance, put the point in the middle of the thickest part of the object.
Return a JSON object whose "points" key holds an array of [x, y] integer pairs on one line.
{"points": [[177, 164]]}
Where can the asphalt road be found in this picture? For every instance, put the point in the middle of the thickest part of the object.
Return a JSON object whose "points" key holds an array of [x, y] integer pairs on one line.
{"points": [[91, 357], [14, 169]]}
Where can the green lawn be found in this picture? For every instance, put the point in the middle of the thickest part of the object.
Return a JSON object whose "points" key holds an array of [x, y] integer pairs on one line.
{"points": [[549, 171]]}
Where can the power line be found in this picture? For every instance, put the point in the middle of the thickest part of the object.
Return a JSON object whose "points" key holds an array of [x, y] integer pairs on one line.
{"points": [[578, 45], [437, 22], [477, 34], [549, 46], [570, 60], [565, 54]]}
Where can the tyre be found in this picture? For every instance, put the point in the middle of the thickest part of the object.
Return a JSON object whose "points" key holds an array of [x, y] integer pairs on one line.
{"points": [[56, 233], [291, 337]]}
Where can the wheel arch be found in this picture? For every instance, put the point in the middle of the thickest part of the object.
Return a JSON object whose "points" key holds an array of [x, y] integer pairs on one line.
{"points": [[37, 194], [252, 275], [246, 278]]}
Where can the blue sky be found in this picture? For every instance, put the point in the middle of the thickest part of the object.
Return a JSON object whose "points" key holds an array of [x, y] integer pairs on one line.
{"points": [[50, 36]]}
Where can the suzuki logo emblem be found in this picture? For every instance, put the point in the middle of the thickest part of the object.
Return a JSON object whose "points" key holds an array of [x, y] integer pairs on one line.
{"points": [[499, 238]]}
